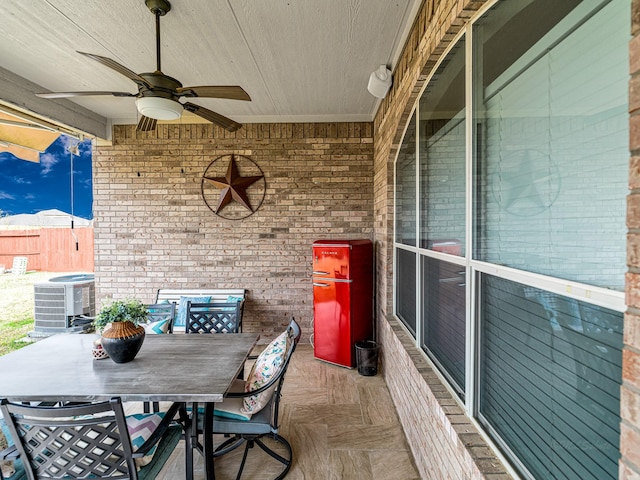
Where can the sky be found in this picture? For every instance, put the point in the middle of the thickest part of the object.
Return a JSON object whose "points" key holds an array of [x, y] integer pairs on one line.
{"points": [[28, 187]]}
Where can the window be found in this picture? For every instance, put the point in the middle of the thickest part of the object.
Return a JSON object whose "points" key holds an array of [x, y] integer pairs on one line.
{"points": [[442, 150], [405, 188], [442, 157], [550, 380], [406, 288], [405, 215], [553, 142], [511, 228], [443, 317]]}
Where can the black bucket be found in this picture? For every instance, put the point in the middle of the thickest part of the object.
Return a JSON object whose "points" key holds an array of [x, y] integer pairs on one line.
{"points": [[367, 358]]}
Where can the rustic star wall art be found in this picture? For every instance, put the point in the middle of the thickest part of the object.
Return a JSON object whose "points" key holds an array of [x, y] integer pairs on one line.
{"points": [[235, 184]]}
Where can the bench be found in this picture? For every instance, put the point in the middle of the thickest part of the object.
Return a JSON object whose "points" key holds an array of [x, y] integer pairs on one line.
{"points": [[216, 295]]}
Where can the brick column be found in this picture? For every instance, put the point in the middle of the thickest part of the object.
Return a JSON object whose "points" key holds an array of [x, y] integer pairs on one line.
{"points": [[630, 394]]}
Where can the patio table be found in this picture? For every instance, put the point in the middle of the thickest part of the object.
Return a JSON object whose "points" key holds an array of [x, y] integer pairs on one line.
{"points": [[168, 368]]}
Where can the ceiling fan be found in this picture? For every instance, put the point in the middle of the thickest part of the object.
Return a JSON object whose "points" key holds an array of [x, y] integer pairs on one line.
{"points": [[158, 94]]}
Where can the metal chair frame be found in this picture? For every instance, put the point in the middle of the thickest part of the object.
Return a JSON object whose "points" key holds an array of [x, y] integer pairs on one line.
{"points": [[84, 441], [263, 424], [162, 311], [213, 318]]}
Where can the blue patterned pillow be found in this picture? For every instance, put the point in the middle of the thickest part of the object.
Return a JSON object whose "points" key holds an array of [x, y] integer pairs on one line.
{"points": [[231, 299], [161, 302], [159, 327], [141, 426], [181, 315]]}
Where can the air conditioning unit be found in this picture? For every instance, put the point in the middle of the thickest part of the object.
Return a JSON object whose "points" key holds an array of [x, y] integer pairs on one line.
{"points": [[64, 304]]}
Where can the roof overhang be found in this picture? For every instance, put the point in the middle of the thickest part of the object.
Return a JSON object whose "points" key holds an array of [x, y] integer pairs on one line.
{"points": [[17, 98]]}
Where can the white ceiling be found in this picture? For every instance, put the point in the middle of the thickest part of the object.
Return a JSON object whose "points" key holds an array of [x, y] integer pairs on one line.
{"points": [[299, 60]]}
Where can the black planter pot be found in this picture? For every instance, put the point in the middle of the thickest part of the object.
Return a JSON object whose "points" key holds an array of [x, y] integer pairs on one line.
{"points": [[123, 343]]}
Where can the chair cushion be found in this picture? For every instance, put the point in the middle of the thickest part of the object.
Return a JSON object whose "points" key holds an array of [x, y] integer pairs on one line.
{"points": [[181, 314], [158, 327], [232, 407], [141, 426], [267, 365]]}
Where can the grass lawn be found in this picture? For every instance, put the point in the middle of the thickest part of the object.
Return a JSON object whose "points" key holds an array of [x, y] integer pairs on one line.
{"points": [[16, 307]]}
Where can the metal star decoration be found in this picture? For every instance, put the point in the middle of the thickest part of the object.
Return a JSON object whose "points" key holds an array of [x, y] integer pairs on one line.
{"points": [[233, 186]]}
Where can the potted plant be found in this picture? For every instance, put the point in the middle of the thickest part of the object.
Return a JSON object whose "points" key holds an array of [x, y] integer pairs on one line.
{"points": [[121, 333]]}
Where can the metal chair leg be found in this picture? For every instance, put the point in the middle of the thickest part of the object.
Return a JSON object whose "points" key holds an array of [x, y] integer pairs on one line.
{"points": [[236, 441]]}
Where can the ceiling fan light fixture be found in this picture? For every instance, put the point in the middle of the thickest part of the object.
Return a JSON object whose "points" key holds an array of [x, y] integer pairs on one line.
{"points": [[159, 108]]}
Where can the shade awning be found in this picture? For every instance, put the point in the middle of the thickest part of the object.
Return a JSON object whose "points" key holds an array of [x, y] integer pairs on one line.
{"points": [[24, 139]]}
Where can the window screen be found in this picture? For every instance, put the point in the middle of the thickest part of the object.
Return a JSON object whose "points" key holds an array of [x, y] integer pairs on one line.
{"points": [[550, 380], [553, 141], [405, 202], [443, 317], [406, 288], [442, 156]]}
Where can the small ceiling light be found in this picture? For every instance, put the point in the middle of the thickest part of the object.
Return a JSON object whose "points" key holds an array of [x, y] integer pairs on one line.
{"points": [[159, 108], [379, 82]]}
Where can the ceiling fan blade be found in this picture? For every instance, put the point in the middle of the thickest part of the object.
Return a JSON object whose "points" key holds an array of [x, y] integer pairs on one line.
{"points": [[213, 117], [231, 92], [146, 124], [82, 94], [107, 62]]}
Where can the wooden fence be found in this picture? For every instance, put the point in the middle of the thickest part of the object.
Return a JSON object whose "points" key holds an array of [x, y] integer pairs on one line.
{"points": [[49, 249]]}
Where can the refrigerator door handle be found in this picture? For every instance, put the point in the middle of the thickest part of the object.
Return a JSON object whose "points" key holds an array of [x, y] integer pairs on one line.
{"points": [[320, 272], [338, 280], [318, 284]]}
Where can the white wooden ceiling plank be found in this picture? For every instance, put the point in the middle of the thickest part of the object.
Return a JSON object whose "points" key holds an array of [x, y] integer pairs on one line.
{"points": [[296, 58], [212, 51], [336, 60]]}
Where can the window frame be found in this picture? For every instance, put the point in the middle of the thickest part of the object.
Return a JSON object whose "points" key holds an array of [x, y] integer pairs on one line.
{"points": [[600, 296]]}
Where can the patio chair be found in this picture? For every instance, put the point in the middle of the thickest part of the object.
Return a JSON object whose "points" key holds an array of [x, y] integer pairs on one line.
{"points": [[11, 468], [19, 266], [213, 318], [159, 320], [87, 441], [160, 317], [260, 428]]}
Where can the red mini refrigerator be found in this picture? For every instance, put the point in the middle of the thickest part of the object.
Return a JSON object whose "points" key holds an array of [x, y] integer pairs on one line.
{"points": [[342, 298]]}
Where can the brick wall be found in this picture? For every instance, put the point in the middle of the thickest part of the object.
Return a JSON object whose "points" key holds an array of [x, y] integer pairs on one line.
{"points": [[630, 394], [153, 229], [444, 442]]}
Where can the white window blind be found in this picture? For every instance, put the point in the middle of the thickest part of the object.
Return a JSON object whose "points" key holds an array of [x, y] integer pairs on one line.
{"points": [[554, 155]]}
